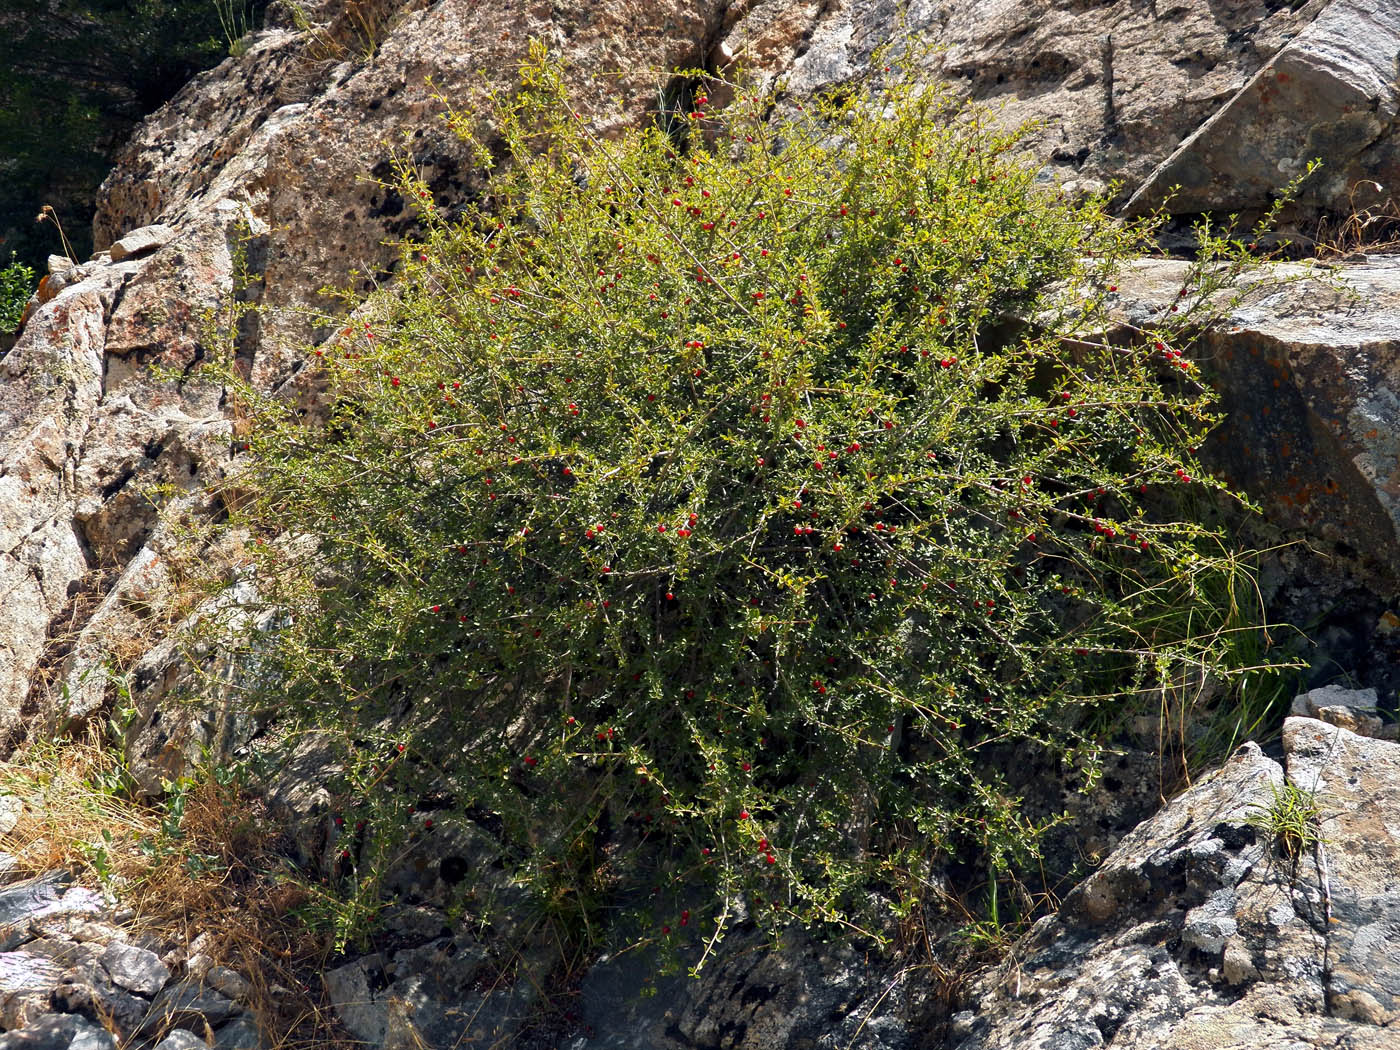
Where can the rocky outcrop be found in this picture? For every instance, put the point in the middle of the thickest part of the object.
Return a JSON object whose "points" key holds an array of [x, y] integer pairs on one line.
{"points": [[1227, 100], [304, 126], [92, 442], [1207, 928], [250, 187]]}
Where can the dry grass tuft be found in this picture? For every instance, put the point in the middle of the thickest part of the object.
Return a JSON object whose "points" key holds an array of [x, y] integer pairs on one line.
{"points": [[204, 863], [1364, 228]]}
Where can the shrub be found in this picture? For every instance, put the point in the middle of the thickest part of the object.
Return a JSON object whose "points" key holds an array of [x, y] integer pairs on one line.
{"points": [[733, 487], [16, 285]]}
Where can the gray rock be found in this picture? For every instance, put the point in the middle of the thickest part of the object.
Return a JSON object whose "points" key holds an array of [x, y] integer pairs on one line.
{"points": [[1357, 783], [181, 1039], [426, 997], [135, 969], [1309, 372], [59, 1032], [91, 1037], [1209, 926], [186, 1004], [86, 990], [27, 982], [141, 242], [1353, 709], [22, 901], [1112, 87], [348, 988], [11, 808], [228, 982], [79, 928], [70, 955], [49, 381], [415, 924], [239, 1034], [803, 994]]}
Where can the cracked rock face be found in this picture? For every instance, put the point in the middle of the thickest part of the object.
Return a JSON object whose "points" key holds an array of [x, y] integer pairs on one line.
{"points": [[1328, 94], [87, 433], [1201, 931], [1113, 88]]}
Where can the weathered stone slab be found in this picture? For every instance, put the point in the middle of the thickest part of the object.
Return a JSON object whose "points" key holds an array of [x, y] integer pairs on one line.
{"points": [[1309, 377], [1329, 94], [1356, 781], [141, 241]]}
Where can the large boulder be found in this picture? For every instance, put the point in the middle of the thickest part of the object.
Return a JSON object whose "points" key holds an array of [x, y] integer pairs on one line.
{"points": [[1330, 94], [1207, 928], [1307, 364]]}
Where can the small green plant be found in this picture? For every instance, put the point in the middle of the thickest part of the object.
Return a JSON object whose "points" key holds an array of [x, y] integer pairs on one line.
{"points": [[16, 285], [738, 495], [1290, 819]]}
